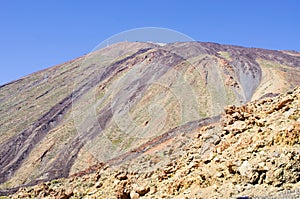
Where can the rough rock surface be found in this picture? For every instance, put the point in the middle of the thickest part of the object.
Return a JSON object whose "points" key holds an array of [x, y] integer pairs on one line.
{"points": [[254, 151]]}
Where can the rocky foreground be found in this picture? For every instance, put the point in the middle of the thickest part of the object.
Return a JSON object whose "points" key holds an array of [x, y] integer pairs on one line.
{"points": [[254, 151]]}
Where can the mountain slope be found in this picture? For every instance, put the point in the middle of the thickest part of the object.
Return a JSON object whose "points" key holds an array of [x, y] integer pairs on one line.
{"points": [[64, 119], [253, 152]]}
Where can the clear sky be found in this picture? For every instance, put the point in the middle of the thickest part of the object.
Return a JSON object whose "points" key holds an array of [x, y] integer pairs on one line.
{"points": [[38, 34]]}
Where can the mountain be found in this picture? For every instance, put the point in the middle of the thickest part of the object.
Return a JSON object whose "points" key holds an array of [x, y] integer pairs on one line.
{"points": [[115, 103]]}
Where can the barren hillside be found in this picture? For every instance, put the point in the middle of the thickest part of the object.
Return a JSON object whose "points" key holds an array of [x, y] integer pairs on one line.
{"points": [[252, 152], [114, 104]]}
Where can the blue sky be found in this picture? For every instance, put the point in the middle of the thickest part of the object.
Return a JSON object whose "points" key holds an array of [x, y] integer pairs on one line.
{"points": [[38, 34]]}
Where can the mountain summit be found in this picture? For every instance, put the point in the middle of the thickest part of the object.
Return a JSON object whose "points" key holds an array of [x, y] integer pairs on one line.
{"points": [[121, 102]]}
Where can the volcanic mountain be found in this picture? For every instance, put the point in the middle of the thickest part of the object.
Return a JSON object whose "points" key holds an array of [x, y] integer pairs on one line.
{"points": [[115, 104]]}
